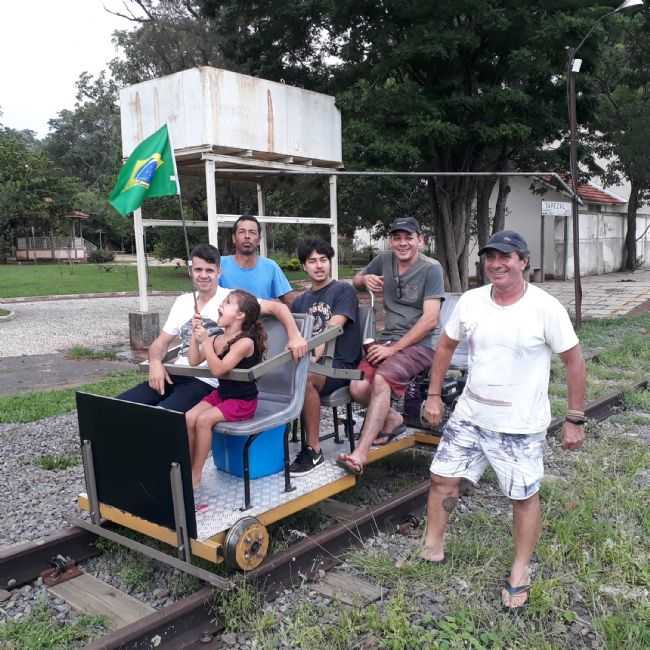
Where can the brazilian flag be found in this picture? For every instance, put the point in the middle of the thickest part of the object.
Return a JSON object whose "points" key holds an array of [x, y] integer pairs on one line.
{"points": [[149, 171]]}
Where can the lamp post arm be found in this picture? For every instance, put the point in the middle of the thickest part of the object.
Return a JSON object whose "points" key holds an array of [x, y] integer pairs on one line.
{"points": [[589, 33]]}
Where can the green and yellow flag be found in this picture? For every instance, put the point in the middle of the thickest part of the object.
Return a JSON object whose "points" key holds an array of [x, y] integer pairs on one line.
{"points": [[149, 171]]}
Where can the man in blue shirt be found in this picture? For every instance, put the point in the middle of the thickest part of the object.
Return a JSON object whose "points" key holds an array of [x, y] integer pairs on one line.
{"points": [[247, 270]]}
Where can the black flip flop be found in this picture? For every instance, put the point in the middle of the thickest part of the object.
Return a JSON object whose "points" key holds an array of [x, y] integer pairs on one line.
{"points": [[515, 591], [389, 437]]}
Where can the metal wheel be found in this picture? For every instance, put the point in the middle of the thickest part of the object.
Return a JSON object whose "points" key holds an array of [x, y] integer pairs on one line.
{"points": [[246, 545]]}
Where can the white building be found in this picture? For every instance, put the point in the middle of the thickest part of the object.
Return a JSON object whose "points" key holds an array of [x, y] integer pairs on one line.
{"points": [[602, 227]]}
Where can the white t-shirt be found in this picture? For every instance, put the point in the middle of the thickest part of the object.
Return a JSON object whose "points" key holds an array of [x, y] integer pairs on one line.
{"points": [[179, 323], [509, 357]]}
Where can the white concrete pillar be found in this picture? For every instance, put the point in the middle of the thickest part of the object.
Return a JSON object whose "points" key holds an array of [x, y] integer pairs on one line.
{"points": [[211, 195], [334, 228], [261, 211], [141, 263]]}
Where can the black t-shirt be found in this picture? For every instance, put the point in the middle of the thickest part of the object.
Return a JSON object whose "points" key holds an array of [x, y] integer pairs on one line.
{"points": [[336, 298], [231, 389]]}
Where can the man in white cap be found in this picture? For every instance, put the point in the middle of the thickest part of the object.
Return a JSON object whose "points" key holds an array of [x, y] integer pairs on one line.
{"points": [[512, 329]]}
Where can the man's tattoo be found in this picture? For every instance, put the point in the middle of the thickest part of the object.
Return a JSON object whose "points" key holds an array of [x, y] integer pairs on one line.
{"points": [[449, 504]]}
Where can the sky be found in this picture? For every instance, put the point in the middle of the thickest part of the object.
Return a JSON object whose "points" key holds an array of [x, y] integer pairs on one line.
{"points": [[44, 46]]}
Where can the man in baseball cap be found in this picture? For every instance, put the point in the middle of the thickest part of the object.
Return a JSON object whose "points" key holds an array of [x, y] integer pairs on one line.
{"points": [[501, 418], [407, 224], [506, 241], [413, 289]]}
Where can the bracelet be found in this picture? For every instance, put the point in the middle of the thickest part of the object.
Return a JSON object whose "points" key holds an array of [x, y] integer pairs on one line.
{"points": [[576, 413], [434, 394], [575, 420]]}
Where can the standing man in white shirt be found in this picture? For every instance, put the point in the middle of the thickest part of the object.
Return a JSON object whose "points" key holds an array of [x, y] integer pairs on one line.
{"points": [[181, 393], [512, 329]]}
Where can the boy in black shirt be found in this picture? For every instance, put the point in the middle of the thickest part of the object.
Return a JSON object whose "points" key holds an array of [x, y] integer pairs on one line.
{"points": [[330, 303]]}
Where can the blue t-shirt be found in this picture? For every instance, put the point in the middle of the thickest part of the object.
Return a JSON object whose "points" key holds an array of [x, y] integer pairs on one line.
{"points": [[265, 280]]}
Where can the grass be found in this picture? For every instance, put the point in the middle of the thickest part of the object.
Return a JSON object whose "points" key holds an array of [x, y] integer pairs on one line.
{"points": [[138, 573], [596, 534], [639, 399], [57, 462], [4, 312], [57, 279], [41, 631], [623, 358], [32, 406], [80, 352]]}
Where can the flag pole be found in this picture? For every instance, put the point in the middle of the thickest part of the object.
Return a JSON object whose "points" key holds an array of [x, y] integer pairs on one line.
{"points": [[180, 203]]}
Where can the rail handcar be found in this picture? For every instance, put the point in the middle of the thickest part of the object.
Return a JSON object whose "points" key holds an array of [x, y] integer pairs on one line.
{"points": [[137, 463]]}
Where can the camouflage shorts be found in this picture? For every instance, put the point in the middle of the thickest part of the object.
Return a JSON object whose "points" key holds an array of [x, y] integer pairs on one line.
{"points": [[517, 459]]}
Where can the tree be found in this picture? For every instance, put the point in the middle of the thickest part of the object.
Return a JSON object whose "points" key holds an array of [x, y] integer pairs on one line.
{"points": [[169, 36], [33, 191], [85, 142], [454, 87], [462, 86], [622, 127]]}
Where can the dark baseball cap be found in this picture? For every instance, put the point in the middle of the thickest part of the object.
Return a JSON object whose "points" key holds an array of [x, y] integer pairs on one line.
{"points": [[506, 241], [409, 224]]}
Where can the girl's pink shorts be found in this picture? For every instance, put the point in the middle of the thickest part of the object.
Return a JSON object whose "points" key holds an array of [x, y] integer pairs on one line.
{"points": [[233, 410]]}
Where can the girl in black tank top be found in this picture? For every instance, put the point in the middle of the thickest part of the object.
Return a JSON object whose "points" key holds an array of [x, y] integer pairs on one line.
{"points": [[240, 345]]}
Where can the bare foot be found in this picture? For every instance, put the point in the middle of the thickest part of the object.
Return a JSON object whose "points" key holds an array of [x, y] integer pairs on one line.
{"points": [[430, 555], [350, 464]]}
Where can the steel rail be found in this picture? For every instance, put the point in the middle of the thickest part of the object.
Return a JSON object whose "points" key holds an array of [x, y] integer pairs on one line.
{"points": [[600, 409], [23, 563], [191, 622]]}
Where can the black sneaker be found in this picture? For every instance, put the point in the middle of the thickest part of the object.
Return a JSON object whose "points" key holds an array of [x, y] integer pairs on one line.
{"points": [[306, 461]]}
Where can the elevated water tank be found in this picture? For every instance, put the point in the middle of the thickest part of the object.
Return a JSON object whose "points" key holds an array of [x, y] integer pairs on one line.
{"points": [[214, 110]]}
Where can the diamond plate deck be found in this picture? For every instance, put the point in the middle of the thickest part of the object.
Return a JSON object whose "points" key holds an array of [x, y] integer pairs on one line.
{"points": [[219, 498]]}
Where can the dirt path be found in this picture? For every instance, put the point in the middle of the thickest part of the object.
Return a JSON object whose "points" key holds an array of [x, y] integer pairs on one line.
{"points": [[43, 371]]}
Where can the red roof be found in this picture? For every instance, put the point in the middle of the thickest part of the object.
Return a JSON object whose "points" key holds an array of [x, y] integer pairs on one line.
{"points": [[591, 194]]}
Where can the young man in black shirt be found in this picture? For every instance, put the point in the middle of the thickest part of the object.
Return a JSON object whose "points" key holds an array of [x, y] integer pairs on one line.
{"points": [[330, 303]]}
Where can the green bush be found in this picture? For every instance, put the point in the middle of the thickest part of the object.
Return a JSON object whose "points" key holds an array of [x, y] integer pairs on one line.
{"points": [[101, 256], [292, 264]]}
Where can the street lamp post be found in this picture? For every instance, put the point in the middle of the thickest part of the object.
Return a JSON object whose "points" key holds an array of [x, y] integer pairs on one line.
{"points": [[573, 66]]}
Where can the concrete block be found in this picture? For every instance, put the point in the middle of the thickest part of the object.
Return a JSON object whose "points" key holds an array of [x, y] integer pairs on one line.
{"points": [[144, 327]]}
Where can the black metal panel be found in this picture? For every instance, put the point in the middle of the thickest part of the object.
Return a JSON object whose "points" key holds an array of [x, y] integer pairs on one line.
{"points": [[133, 448]]}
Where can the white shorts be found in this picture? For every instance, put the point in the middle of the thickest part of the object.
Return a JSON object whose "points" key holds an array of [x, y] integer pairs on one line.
{"points": [[517, 459]]}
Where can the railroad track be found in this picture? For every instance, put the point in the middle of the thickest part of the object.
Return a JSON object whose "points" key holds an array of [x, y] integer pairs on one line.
{"points": [[190, 622]]}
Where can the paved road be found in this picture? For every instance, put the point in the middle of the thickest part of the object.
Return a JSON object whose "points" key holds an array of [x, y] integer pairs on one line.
{"points": [[605, 296], [42, 371], [33, 344], [53, 326], [57, 325]]}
